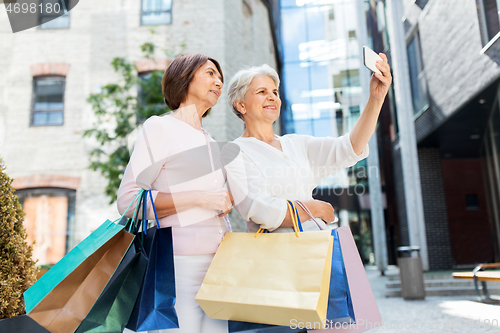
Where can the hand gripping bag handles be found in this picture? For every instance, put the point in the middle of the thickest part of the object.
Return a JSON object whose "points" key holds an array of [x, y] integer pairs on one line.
{"points": [[154, 307], [61, 299], [340, 309], [269, 278]]}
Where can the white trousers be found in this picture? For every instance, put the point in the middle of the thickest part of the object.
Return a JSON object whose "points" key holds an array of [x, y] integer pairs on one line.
{"points": [[189, 274]]}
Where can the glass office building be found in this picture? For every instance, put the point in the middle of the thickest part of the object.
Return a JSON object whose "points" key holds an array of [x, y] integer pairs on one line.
{"points": [[323, 96]]}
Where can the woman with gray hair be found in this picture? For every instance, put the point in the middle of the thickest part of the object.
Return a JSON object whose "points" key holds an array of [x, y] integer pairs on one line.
{"points": [[271, 169]]}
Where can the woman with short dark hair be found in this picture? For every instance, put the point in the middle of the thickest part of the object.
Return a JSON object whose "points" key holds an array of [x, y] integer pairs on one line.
{"points": [[173, 158]]}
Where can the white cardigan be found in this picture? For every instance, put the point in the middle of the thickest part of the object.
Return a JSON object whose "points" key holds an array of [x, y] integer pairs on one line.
{"points": [[261, 177]]}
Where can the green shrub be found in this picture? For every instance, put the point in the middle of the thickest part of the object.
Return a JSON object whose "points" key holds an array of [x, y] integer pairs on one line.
{"points": [[17, 268]]}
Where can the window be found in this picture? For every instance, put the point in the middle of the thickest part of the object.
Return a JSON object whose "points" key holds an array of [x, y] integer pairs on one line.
{"points": [[155, 12], [48, 16], [352, 35], [421, 3], [471, 202], [339, 119], [49, 221], [417, 77], [48, 101], [331, 14], [489, 17]]}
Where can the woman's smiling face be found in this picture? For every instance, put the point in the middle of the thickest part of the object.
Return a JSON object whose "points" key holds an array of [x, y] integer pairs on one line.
{"points": [[262, 102]]}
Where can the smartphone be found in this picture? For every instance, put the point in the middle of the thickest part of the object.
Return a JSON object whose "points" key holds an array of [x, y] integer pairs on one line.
{"points": [[369, 59]]}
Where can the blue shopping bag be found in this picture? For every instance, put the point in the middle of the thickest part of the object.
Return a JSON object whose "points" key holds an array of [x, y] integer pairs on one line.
{"points": [[340, 309], [154, 307]]}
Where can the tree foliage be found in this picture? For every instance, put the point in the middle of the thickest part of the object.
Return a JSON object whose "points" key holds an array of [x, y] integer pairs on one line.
{"points": [[120, 108], [17, 268]]}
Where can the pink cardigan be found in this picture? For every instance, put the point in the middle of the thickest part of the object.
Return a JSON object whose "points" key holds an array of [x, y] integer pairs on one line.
{"points": [[171, 156]]}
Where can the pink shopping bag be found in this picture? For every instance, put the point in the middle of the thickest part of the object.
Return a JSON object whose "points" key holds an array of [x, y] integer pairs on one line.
{"points": [[364, 304]]}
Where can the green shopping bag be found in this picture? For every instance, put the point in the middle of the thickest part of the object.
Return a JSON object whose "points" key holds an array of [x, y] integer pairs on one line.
{"points": [[112, 310]]}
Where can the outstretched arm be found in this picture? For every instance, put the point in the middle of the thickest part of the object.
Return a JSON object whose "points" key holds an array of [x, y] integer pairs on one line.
{"points": [[365, 126]]}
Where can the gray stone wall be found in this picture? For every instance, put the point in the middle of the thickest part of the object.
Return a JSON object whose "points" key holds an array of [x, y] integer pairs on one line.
{"points": [[455, 68], [455, 71]]}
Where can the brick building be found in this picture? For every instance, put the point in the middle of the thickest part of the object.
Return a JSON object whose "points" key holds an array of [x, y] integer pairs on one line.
{"points": [[453, 52], [69, 58]]}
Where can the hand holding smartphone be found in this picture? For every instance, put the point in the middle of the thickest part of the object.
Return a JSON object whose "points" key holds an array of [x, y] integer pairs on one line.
{"points": [[370, 58]]}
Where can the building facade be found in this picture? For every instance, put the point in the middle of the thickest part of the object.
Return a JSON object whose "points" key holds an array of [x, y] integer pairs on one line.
{"points": [[48, 72], [453, 62]]}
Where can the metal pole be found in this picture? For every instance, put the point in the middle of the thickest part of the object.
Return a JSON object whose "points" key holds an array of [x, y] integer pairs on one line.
{"points": [[373, 163], [407, 139]]}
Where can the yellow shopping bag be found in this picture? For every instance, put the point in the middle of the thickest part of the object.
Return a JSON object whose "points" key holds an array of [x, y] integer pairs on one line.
{"points": [[274, 278]]}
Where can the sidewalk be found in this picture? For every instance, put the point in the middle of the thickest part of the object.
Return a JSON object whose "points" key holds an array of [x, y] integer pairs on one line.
{"points": [[434, 314]]}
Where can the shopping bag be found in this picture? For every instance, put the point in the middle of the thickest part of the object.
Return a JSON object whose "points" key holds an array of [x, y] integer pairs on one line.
{"points": [[154, 307], [364, 305], [105, 233], [64, 307], [241, 326], [113, 308], [71, 261], [340, 308], [21, 324], [269, 278]]}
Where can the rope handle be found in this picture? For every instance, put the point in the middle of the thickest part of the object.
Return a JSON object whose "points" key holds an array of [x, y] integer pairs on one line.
{"points": [[133, 227], [297, 226], [145, 212], [320, 225], [130, 204]]}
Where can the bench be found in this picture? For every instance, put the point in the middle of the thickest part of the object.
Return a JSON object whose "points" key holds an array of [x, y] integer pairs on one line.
{"points": [[479, 275]]}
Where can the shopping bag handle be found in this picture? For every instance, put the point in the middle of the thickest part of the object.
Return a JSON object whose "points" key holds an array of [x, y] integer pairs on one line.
{"points": [[130, 204], [297, 226], [154, 209], [133, 227], [320, 225], [144, 210]]}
